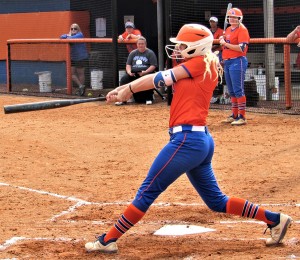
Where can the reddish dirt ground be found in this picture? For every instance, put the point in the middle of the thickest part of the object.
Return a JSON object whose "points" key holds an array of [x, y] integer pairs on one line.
{"points": [[67, 174]]}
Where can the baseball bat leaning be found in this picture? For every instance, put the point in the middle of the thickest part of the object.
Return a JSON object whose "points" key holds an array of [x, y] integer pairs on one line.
{"points": [[225, 22], [47, 105]]}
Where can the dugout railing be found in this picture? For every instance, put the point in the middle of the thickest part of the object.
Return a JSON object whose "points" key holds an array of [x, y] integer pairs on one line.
{"points": [[28, 57], [272, 75], [276, 78]]}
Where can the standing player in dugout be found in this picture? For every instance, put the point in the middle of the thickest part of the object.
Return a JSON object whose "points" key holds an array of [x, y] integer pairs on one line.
{"points": [[191, 146]]}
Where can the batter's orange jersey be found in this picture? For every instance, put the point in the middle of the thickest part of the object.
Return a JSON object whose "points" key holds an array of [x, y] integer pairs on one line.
{"points": [[235, 36], [191, 96]]}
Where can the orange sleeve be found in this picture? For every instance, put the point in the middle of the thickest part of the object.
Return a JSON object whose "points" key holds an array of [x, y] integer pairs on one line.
{"points": [[194, 67], [243, 36], [137, 32], [124, 34]]}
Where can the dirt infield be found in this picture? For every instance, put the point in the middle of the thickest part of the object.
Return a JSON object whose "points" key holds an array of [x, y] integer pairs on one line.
{"points": [[67, 174]]}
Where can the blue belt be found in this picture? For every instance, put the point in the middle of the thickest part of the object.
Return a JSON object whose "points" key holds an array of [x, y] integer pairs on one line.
{"points": [[182, 128]]}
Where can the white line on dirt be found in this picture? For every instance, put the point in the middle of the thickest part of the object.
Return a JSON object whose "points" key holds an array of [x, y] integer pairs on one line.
{"points": [[80, 202], [227, 222], [15, 240], [42, 192], [159, 204]]}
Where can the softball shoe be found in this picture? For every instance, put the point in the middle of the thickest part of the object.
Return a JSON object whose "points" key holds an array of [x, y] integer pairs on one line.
{"points": [[239, 121], [100, 246], [278, 232], [229, 119]]}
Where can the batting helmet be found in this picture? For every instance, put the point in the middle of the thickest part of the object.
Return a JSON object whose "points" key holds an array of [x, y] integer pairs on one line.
{"points": [[235, 12], [196, 37]]}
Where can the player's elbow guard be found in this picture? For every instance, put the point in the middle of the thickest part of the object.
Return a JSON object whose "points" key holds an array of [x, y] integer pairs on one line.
{"points": [[164, 78]]}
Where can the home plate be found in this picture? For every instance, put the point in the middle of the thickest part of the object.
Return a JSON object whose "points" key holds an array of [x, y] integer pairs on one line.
{"points": [[181, 230]]}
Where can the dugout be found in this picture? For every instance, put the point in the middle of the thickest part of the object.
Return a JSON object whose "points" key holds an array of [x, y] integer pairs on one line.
{"points": [[51, 18]]}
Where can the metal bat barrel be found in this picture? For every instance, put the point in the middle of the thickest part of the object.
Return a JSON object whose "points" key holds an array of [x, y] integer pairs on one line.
{"points": [[47, 105], [229, 6]]}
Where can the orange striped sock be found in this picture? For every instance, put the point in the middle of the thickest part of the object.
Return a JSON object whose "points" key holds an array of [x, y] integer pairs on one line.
{"points": [[130, 217], [244, 208], [234, 106], [242, 105]]}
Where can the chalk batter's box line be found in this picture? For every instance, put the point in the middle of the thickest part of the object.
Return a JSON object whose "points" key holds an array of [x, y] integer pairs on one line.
{"points": [[171, 222], [159, 204], [80, 202], [15, 240]]}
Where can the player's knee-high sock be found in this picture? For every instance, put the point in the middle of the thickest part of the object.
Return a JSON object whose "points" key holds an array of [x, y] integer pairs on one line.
{"points": [[242, 105], [234, 106], [247, 209], [130, 217]]}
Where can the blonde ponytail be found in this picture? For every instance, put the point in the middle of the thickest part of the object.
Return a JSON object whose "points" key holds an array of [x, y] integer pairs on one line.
{"points": [[208, 59]]}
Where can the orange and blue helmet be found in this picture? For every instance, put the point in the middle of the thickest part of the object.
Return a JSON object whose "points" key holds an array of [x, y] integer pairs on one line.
{"points": [[235, 12], [197, 38]]}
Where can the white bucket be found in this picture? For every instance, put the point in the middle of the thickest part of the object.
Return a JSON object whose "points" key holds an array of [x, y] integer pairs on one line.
{"points": [[261, 87], [44, 80], [275, 93], [250, 73], [96, 79], [121, 74]]}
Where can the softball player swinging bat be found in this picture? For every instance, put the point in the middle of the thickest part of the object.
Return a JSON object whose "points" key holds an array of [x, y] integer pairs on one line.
{"points": [[191, 146]]}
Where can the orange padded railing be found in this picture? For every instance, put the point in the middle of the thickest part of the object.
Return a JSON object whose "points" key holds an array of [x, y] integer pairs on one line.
{"points": [[287, 71], [287, 58], [67, 57]]}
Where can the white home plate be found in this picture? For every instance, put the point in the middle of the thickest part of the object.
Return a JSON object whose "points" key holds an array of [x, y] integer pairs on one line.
{"points": [[180, 230]]}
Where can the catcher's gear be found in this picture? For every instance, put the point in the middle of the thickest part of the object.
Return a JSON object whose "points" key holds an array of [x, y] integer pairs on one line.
{"points": [[197, 38], [235, 12]]}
